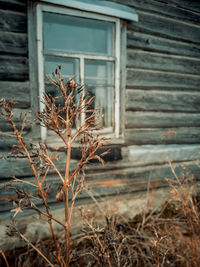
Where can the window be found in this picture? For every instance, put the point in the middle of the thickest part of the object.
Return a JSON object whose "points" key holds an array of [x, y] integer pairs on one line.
{"points": [[87, 46]]}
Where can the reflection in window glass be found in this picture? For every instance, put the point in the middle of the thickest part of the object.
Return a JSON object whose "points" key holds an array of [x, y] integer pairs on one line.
{"points": [[85, 50], [69, 68], [99, 71], [103, 102], [68, 33]]}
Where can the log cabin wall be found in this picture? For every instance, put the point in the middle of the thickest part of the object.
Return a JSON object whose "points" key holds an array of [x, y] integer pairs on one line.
{"points": [[163, 67], [14, 72], [14, 84], [161, 105]]}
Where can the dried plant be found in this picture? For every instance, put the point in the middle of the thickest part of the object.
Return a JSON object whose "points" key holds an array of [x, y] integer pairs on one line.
{"points": [[73, 121], [164, 237]]}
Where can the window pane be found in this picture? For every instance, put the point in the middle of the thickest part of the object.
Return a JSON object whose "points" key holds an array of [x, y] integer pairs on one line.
{"points": [[103, 102], [69, 68], [74, 34], [99, 72], [99, 80]]}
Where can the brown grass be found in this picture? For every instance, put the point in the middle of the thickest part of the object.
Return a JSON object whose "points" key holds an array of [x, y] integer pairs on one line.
{"points": [[167, 237]]}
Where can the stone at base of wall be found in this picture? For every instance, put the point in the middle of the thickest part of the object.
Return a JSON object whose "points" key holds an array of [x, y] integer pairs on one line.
{"points": [[126, 207]]}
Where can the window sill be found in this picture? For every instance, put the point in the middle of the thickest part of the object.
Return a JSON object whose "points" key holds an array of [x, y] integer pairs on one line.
{"points": [[114, 146]]}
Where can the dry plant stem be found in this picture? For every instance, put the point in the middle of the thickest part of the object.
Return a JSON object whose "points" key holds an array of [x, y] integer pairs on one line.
{"points": [[45, 175], [22, 143], [24, 182], [4, 257], [67, 230], [34, 247], [65, 187], [61, 119], [184, 194], [45, 204], [51, 228], [98, 240], [49, 216], [71, 209]]}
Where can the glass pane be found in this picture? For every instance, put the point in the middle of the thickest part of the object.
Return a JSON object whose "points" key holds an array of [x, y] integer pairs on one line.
{"points": [[74, 34], [103, 102], [99, 72], [69, 68]]}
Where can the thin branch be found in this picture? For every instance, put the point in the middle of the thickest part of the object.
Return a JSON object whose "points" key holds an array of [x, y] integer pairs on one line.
{"points": [[36, 249], [4, 257]]}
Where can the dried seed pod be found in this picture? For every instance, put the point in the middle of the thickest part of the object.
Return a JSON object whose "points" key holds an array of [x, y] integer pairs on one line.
{"points": [[60, 195]]}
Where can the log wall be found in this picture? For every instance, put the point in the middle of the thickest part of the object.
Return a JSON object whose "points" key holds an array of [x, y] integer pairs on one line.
{"points": [[14, 72], [161, 101], [163, 67]]}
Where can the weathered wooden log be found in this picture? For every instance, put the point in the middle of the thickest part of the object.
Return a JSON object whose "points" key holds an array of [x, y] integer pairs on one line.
{"points": [[13, 43], [20, 167], [149, 100], [6, 144], [18, 116], [18, 91], [157, 61], [161, 154], [14, 68], [140, 119], [167, 8], [160, 79], [159, 44], [182, 135], [191, 5], [15, 5], [165, 27], [11, 21], [107, 184]]}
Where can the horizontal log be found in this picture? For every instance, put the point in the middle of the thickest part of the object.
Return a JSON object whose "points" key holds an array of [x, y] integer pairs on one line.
{"points": [[157, 61], [149, 100], [11, 21], [18, 116], [110, 183], [13, 68], [15, 5], [15, 167], [20, 168], [168, 9], [166, 27], [18, 91], [160, 79], [189, 5], [140, 119], [13, 43], [158, 44], [161, 154], [6, 144], [148, 136]]}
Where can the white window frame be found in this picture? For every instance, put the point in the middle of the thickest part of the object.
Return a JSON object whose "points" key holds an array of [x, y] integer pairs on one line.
{"points": [[116, 59]]}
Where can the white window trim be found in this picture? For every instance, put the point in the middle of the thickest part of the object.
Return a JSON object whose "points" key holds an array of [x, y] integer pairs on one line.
{"points": [[100, 7], [40, 56]]}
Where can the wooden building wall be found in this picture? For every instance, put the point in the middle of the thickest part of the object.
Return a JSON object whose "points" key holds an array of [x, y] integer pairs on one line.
{"points": [[14, 73], [163, 73], [162, 111]]}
